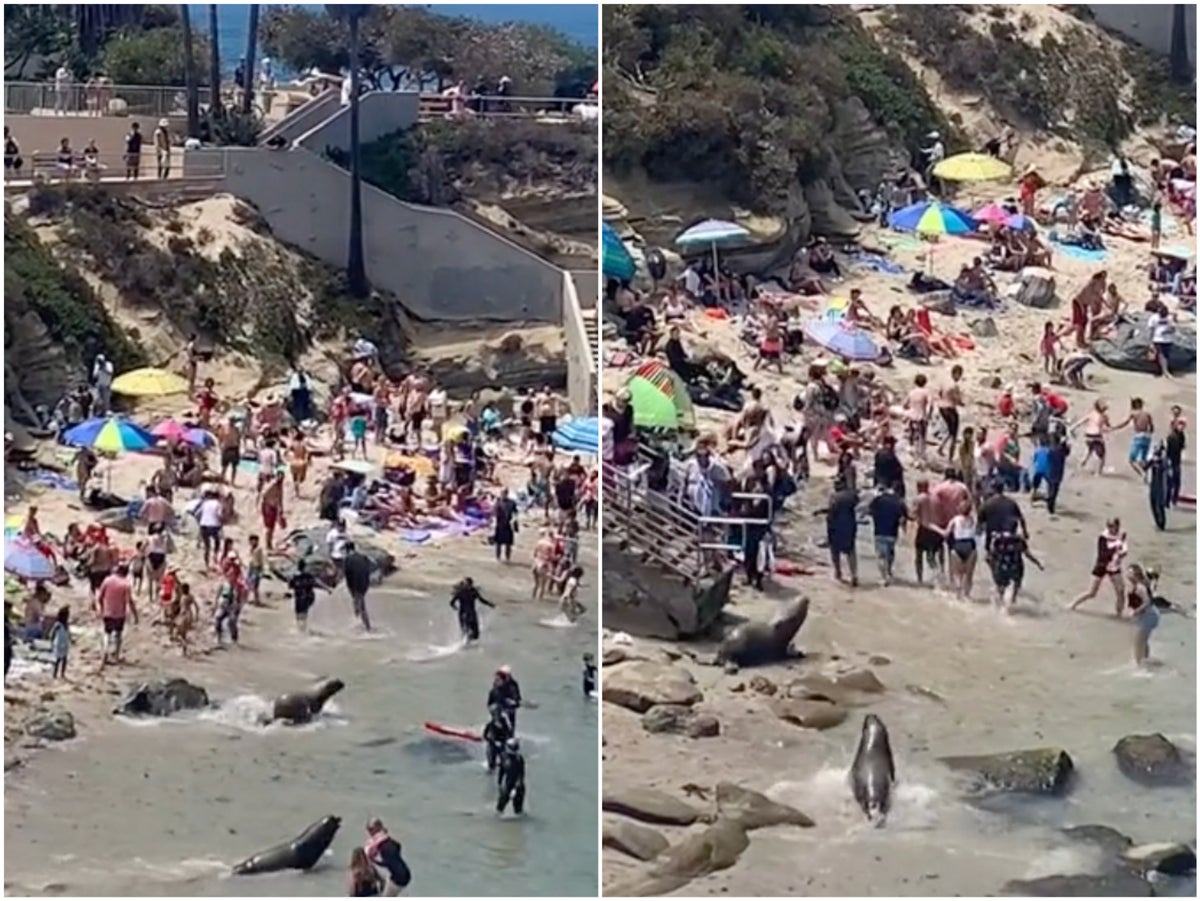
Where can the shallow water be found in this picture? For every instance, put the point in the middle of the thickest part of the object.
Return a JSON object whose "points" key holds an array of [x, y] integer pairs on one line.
{"points": [[166, 807]]}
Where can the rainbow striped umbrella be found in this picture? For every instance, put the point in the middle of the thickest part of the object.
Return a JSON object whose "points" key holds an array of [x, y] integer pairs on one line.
{"points": [[932, 218], [110, 434]]}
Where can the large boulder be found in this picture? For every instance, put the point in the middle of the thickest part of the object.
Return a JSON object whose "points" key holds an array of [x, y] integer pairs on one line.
{"points": [[310, 544], [716, 848], [680, 720], [650, 806], [1034, 288], [1168, 858], [1039, 771], [754, 810], [50, 725], [162, 698], [808, 714], [1117, 884], [641, 684], [633, 839], [1107, 839], [1152, 760], [1127, 346]]}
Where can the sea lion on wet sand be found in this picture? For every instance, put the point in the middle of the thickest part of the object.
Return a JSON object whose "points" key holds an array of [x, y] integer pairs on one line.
{"points": [[301, 853], [874, 771], [301, 706], [751, 644]]}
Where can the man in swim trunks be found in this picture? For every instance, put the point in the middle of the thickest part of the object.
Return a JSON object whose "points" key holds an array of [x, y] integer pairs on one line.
{"points": [[271, 507], [114, 602], [229, 436], [930, 544], [1143, 435], [1007, 562], [950, 398], [918, 404], [1095, 426]]}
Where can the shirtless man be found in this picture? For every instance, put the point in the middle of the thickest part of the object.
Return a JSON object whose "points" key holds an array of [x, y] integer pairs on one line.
{"points": [[543, 563], [1095, 426], [1143, 435], [1089, 299], [918, 404], [545, 407], [748, 425], [950, 398], [271, 508], [929, 544], [229, 437], [416, 404], [1107, 312]]}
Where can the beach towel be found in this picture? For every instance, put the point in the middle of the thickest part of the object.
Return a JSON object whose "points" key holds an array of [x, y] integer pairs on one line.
{"points": [[902, 242], [1076, 252], [876, 263], [52, 479], [415, 536]]}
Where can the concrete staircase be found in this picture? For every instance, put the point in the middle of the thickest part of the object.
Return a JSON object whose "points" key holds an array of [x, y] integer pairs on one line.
{"points": [[591, 322]]}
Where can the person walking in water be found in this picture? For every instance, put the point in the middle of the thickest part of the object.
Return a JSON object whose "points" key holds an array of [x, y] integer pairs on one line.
{"points": [[464, 599], [512, 778], [384, 851], [357, 569], [1111, 548]]}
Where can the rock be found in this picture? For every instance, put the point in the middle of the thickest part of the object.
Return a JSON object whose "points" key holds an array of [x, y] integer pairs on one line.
{"points": [[763, 686], [679, 720], [808, 714], [984, 328], [1034, 288], [50, 725], [1126, 346], [633, 839], [1106, 838], [859, 680], [641, 685], [822, 688], [613, 656], [311, 542], [12, 762], [1118, 884], [1168, 858], [650, 806], [716, 848], [754, 810], [879, 660], [1040, 771], [1152, 760], [162, 698]]}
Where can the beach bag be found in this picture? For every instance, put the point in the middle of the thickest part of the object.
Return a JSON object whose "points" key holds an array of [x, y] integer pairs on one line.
{"points": [[656, 263]]}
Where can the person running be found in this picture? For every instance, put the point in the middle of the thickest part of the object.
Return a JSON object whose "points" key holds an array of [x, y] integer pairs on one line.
{"points": [[1111, 548], [1143, 612], [1142, 441], [1006, 560], [463, 600], [304, 594], [889, 516], [1095, 426], [357, 570], [364, 880]]}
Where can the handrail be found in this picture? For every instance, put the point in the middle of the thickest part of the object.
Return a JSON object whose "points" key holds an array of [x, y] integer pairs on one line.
{"points": [[47, 166], [94, 98], [315, 104]]}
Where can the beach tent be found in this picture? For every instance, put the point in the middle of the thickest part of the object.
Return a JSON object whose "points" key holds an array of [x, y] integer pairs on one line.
{"points": [[660, 398], [579, 436]]}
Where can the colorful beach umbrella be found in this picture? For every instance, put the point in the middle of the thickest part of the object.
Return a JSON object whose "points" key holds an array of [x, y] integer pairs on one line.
{"points": [[712, 232], [972, 167], [24, 559], [652, 383], [843, 339], [615, 259], [932, 218], [992, 214], [110, 434], [149, 382], [1020, 222], [580, 436]]}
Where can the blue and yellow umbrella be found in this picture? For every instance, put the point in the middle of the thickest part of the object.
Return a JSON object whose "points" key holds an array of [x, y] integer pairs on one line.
{"points": [[932, 218], [109, 434]]}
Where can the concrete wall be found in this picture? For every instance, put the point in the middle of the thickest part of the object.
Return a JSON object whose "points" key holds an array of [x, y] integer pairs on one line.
{"points": [[581, 369], [379, 113], [439, 264], [1147, 24], [42, 133], [305, 118], [587, 287]]}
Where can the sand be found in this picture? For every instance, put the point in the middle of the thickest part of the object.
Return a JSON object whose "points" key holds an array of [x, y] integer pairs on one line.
{"points": [[959, 677]]}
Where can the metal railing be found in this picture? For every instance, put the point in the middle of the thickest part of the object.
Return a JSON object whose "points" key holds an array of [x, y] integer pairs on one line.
{"points": [[93, 99], [42, 166], [493, 107]]}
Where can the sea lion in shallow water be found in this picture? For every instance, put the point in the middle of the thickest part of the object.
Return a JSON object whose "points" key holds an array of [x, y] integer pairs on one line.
{"points": [[301, 706], [301, 853], [751, 644], [874, 771]]}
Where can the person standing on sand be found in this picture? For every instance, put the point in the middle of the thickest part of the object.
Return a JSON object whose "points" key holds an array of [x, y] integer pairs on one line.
{"points": [[303, 586], [1111, 548], [1174, 446], [961, 535], [271, 508], [918, 405], [229, 437], [256, 564], [841, 529], [114, 602], [211, 516], [298, 461], [1143, 612], [1143, 435], [543, 564], [101, 559], [505, 531]]}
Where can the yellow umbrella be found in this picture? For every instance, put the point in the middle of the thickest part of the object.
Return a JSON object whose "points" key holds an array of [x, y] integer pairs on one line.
{"points": [[422, 466], [149, 382], [972, 167]]}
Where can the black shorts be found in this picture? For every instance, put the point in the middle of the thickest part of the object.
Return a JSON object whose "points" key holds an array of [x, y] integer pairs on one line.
{"points": [[95, 580], [950, 418], [547, 425], [1005, 575], [114, 625], [526, 422], [1095, 445], [1163, 350], [929, 541], [156, 561], [230, 456], [210, 534], [302, 604]]}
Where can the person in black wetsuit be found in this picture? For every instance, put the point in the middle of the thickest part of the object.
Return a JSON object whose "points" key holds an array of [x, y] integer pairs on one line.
{"points": [[8, 639], [512, 778], [357, 569], [589, 674], [505, 693], [1175, 443], [841, 528], [384, 851], [464, 599], [304, 593], [495, 734], [504, 533]]}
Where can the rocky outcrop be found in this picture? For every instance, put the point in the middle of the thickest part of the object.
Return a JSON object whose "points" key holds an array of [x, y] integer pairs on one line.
{"points": [[1034, 288], [649, 805], [633, 839], [1168, 858], [1040, 771], [1126, 346], [754, 810], [808, 714], [163, 698], [50, 725], [1152, 760], [865, 152], [641, 684], [679, 720], [716, 848], [1106, 838], [1105, 885]]}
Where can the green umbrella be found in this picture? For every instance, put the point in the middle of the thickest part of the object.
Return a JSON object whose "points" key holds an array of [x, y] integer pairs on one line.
{"points": [[651, 408]]}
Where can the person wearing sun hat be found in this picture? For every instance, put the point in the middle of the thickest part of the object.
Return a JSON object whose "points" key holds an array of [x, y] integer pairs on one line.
{"points": [[162, 148]]}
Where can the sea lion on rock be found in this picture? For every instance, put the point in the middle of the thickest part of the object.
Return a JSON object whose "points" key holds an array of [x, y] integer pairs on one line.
{"points": [[752, 644], [301, 853], [301, 706], [874, 770]]}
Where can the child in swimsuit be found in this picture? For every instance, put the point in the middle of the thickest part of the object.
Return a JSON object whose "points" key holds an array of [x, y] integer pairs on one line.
{"points": [[1143, 612], [137, 567]]}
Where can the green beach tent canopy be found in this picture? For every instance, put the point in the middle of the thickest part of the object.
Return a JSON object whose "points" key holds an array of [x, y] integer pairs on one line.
{"points": [[660, 398]]}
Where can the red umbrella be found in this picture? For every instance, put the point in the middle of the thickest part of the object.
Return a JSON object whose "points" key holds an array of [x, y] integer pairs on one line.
{"points": [[993, 214]]}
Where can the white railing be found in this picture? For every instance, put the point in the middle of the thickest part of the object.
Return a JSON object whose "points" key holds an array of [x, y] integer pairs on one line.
{"points": [[94, 99]]}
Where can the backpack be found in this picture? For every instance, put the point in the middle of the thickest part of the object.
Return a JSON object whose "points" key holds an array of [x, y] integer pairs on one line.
{"points": [[829, 398]]}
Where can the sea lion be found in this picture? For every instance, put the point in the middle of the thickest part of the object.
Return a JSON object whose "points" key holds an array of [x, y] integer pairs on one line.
{"points": [[301, 853], [751, 644], [874, 771], [301, 706]]}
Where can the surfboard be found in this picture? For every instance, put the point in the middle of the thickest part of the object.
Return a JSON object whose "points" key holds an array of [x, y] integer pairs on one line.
{"points": [[453, 732]]}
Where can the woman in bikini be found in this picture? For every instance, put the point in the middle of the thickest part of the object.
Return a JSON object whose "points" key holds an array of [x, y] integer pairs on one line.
{"points": [[1111, 548], [298, 461], [961, 538], [1143, 612]]}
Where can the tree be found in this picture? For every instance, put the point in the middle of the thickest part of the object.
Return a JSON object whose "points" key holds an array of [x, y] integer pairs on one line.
{"points": [[189, 74], [356, 269], [248, 68], [214, 63], [33, 32], [154, 56]]}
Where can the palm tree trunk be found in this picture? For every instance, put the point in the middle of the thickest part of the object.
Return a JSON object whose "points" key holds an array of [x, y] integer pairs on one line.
{"points": [[251, 49], [356, 270], [189, 75], [214, 63], [1182, 70]]}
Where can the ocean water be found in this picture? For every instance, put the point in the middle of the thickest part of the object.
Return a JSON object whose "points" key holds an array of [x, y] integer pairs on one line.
{"points": [[166, 807], [580, 22]]}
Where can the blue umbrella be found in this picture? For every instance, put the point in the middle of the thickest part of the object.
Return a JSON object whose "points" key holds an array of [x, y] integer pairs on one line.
{"points": [[933, 218], [1021, 223], [23, 559], [200, 438], [615, 259], [111, 434], [712, 232], [579, 436], [846, 341]]}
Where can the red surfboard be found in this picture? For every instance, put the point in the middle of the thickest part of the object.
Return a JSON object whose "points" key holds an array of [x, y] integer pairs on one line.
{"points": [[453, 732]]}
